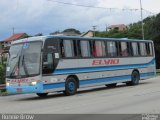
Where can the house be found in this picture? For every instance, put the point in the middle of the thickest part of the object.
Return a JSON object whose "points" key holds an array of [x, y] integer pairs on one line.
{"points": [[6, 43], [119, 27], [14, 37], [89, 33]]}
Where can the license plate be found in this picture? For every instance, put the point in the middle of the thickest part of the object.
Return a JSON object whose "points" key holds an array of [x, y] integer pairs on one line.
{"points": [[19, 89]]}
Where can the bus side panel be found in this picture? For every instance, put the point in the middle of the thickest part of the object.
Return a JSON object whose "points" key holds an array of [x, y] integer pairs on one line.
{"points": [[90, 75]]}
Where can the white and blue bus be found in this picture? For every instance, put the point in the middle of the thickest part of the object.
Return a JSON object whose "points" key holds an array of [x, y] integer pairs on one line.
{"points": [[47, 64]]}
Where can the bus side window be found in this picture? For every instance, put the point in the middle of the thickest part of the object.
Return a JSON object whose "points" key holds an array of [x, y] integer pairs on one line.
{"points": [[68, 48], [99, 49], [143, 49], [47, 63], [103, 48], [111, 49], [75, 48], [134, 48], [124, 49], [149, 48], [85, 48]]}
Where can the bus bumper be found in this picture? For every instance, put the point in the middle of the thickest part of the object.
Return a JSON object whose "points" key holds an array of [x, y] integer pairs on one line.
{"points": [[38, 88]]}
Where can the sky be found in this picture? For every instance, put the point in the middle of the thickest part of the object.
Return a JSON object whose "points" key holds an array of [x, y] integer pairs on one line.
{"points": [[47, 16]]}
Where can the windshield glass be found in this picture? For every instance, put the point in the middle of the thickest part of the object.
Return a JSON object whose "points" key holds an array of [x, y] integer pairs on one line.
{"points": [[24, 60]]}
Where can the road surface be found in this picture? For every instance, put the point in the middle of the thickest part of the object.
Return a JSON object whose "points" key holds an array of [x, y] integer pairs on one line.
{"points": [[144, 98]]}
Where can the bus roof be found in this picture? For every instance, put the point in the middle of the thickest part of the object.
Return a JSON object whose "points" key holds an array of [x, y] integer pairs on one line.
{"points": [[42, 38]]}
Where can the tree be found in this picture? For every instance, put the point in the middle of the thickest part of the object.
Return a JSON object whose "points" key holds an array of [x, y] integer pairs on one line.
{"points": [[55, 33], [72, 30], [2, 74], [38, 34]]}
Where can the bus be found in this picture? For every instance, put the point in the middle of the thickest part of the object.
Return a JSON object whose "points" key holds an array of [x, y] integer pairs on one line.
{"points": [[47, 64]]}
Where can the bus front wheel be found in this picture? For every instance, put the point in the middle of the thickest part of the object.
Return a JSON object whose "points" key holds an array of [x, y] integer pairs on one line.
{"points": [[70, 86], [135, 77], [42, 94]]}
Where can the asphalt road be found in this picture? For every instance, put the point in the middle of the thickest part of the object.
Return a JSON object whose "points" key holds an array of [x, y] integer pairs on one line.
{"points": [[144, 98]]}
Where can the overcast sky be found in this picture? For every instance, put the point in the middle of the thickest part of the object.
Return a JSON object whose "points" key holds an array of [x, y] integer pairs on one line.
{"points": [[46, 16]]}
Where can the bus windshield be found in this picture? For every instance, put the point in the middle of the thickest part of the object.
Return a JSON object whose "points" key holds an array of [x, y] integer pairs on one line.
{"points": [[24, 60]]}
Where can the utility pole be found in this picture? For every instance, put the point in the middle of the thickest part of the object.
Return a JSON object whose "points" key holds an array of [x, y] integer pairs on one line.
{"points": [[94, 29], [107, 26], [142, 19]]}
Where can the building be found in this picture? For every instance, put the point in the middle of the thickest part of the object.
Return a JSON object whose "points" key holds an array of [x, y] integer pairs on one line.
{"points": [[6, 43], [119, 27], [90, 33]]}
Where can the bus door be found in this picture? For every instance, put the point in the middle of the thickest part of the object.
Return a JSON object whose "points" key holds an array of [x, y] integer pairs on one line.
{"points": [[50, 56]]}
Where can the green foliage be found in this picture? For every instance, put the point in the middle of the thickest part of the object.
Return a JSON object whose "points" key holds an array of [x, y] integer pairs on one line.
{"points": [[2, 74], [3, 93], [152, 31], [72, 29], [133, 32]]}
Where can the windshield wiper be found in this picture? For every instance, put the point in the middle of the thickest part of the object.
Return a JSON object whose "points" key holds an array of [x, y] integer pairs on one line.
{"points": [[16, 65], [16, 55], [24, 65]]}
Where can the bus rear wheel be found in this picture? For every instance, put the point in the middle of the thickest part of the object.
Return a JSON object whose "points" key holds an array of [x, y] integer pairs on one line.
{"points": [[135, 77], [111, 85], [70, 86], [42, 94]]}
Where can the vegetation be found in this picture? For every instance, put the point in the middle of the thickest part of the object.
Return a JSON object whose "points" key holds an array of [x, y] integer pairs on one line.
{"points": [[151, 32], [72, 30], [2, 78], [65, 31], [2, 74], [3, 93]]}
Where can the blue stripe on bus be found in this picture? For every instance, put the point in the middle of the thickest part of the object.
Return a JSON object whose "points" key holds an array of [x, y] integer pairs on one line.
{"points": [[112, 79], [53, 85], [96, 81], [102, 68], [102, 80], [147, 74]]}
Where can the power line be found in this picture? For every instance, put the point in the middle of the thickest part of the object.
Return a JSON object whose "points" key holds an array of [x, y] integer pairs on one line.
{"points": [[89, 6]]}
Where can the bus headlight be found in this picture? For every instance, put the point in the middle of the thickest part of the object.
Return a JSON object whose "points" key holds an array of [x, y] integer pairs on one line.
{"points": [[7, 84], [34, 83]]}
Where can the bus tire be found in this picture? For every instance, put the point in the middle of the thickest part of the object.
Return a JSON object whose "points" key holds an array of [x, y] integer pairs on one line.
{"points": [[111, 85], [70, 86], [42, 94], [135, 77]]}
